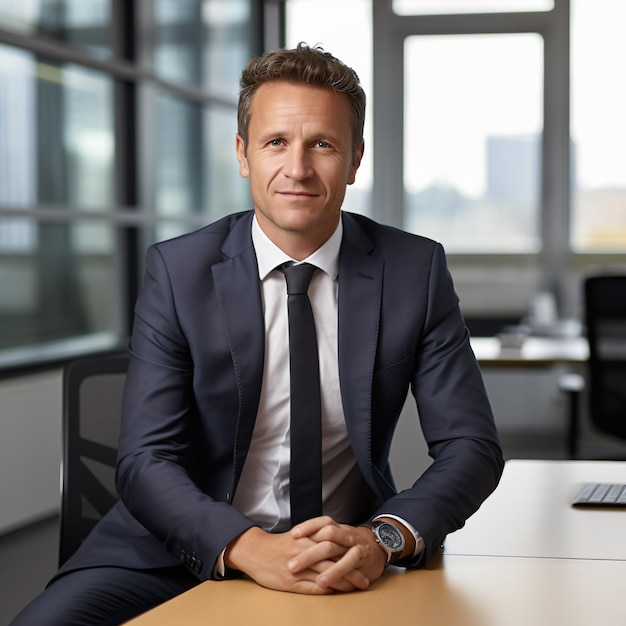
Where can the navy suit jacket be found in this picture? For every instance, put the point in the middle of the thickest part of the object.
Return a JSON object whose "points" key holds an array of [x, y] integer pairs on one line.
{"points": [[195, 376]]}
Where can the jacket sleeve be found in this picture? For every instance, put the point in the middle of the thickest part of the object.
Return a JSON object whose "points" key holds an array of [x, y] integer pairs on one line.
{"points": [[456, 421], [160, 427]]}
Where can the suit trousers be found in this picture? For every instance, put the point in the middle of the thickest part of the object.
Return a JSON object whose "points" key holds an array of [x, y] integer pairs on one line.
{"points": [[104, 595]]}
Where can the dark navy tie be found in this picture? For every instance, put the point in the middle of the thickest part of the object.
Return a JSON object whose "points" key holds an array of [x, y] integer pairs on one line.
{"points": [[306, 407]]}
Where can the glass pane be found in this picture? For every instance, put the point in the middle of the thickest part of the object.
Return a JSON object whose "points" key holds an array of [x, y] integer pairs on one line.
{"points": [[56, 133], [179, 33], [473, 124], [84, 23], [598, 101], [197, 168], [308, 21], [426, 7], [229, 44], [203, 42], [227, 192], [59, 282], [179, 156]]}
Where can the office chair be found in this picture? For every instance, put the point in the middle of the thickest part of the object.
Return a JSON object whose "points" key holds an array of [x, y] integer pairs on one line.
{"points": [[605, 317], [92, 401]]}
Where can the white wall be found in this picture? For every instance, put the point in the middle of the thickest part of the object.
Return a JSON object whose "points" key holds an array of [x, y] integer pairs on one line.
{"points": [[30, 448]]}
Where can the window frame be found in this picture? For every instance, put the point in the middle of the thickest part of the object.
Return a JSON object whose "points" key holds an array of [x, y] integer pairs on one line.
{"points": [[558, 266], [133, 215]]}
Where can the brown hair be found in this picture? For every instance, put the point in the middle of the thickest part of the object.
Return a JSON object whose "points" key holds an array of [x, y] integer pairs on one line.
{"points": [[305, 64]]}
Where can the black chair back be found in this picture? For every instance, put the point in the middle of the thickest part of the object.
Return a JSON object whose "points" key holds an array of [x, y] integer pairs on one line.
{"points": [[605, 318], [92, 401]]}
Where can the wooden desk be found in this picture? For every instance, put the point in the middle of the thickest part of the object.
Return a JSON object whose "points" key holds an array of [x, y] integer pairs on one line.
{"points": [[534, 352], [500, 570], [529, 515], [454, 590]]}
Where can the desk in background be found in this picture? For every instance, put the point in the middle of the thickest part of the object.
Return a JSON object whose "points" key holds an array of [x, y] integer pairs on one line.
{"points": [[543, 352], [465, 585], [534, 352], [529, 515]]}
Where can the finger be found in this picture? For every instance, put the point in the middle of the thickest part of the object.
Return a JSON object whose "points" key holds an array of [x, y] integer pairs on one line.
{"points": [[322, 529], [306, 581], [317, 553], [354, 579], [340, 534], [311, 526], [349, 562]]}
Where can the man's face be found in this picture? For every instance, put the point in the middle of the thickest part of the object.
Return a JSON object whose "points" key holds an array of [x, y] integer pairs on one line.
{"points": [[299, 161]]}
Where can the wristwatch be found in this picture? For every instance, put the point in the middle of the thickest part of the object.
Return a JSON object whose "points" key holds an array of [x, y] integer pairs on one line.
{"points": [[390, 539]]}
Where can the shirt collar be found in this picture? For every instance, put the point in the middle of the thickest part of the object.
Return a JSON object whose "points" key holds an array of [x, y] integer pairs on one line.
{"points": [[270, 256]]}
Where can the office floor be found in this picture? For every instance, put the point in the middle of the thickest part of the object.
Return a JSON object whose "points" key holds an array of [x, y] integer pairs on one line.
{"points": [[28, 556]]}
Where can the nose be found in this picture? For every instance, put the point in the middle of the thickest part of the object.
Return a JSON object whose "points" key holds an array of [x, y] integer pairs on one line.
{"points": [[297, 165]]}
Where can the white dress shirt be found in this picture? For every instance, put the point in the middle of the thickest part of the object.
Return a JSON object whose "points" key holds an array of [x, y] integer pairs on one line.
{"points": [[263, 490]]}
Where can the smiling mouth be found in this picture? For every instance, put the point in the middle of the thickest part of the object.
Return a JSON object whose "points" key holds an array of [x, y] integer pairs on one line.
{"points": [[298, 194]]}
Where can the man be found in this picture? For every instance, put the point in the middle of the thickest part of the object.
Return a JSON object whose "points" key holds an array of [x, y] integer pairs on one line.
{"points": [[204, 461]]}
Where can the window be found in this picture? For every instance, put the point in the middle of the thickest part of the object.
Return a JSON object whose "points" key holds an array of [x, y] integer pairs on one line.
{"points": [[56, 149], [598, 93], [197, 172], [502, 125], [56, 132], [85, 25], [472, 150], [203, 43], [104, 150]]}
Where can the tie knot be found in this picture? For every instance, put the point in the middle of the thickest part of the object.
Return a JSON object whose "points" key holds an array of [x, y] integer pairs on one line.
{"points": [[298, 277]]}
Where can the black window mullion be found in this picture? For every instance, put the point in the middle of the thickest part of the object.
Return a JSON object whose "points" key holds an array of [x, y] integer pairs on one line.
{"points": [[124, 46]]}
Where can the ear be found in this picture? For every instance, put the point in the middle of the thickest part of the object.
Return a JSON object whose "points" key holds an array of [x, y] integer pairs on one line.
{"points": [[356, 164], [244, 171]]}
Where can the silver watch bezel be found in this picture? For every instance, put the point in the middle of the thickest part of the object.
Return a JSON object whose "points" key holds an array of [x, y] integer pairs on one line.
{"points": [[376, 526]]}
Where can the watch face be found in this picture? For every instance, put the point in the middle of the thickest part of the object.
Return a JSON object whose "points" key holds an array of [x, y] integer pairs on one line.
{"points": [[391, 537]]}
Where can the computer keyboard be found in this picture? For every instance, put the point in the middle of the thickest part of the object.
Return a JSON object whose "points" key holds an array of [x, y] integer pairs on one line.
{"points": [[601, 494]]}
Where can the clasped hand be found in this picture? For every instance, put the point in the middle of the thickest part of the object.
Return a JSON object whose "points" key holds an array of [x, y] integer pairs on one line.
{"points": [[318, 556]]}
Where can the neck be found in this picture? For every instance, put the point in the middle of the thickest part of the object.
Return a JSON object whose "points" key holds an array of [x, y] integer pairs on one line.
{"points": [[299, 245]]}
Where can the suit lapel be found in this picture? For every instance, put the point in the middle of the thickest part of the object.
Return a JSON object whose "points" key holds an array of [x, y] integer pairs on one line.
{"points": [[239, 296], [360, 291]]}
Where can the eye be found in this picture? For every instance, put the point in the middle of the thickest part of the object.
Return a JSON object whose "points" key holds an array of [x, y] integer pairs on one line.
{"points": [[322, 144], [275, 142]]}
